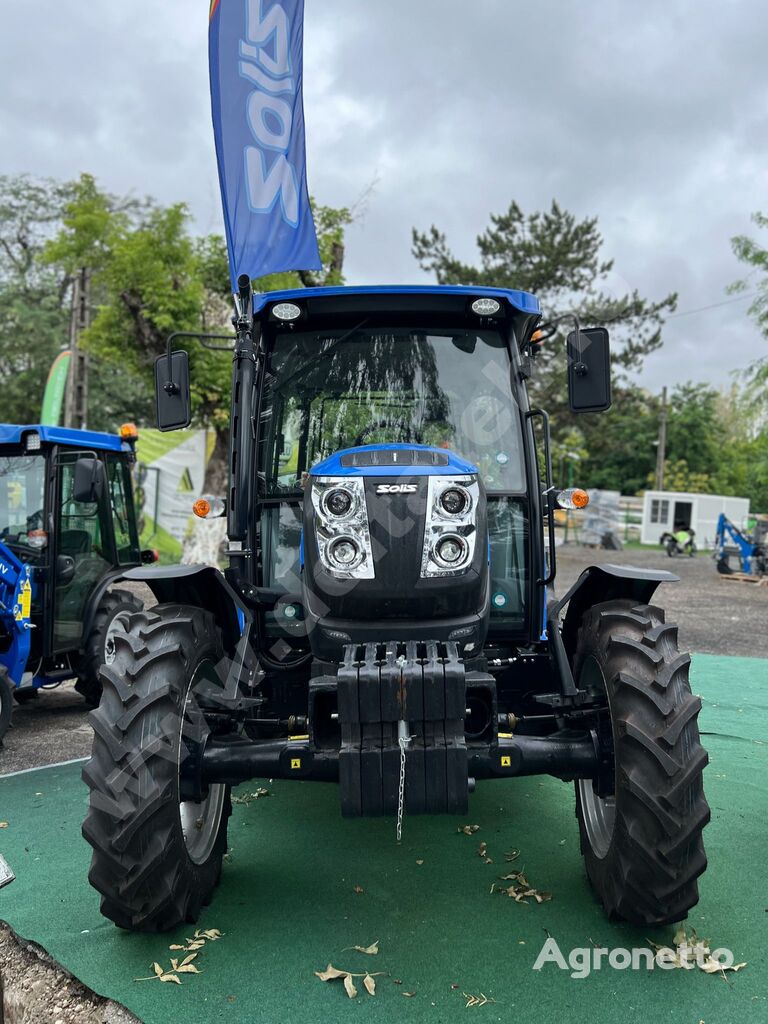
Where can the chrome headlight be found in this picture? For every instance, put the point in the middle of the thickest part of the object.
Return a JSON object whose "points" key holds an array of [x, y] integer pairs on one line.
{"points": [[450, 531], [341, 527]]}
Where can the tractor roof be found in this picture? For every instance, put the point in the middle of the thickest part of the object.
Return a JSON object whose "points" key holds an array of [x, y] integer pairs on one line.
{"points": [[12, 433], [522, 301]]}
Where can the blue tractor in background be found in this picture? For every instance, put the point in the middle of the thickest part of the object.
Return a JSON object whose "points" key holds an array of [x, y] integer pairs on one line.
{"points": [[751, 549], [67, 531]]}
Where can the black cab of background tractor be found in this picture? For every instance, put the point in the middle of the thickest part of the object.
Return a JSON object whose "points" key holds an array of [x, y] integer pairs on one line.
{"points": [[386, 621]]}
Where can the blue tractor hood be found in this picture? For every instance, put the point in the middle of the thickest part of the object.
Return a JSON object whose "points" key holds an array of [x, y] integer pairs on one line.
{"points": [[429, 462]]}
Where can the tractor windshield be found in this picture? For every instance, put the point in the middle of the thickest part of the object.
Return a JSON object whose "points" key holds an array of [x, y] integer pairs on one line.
{"points": [[22, 489], [375, 385]]}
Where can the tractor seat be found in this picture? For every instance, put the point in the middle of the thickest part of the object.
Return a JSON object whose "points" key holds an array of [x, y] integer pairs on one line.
{"points": [[74, 542]]}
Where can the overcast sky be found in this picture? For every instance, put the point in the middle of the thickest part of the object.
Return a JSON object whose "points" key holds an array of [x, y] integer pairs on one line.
{"points": [[652, 116]]}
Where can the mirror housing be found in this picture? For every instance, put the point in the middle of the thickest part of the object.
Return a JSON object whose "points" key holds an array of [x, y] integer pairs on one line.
{"points": [[172, 397], [88, 485], [589, 370]]}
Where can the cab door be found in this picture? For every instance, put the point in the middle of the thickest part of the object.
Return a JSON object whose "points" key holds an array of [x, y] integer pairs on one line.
{"points": [[83, 531]]}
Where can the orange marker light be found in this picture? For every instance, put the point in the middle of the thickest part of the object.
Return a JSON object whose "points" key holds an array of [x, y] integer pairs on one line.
{"points": [[129, 431], [572, 497], [537, 337], [201, 508]]}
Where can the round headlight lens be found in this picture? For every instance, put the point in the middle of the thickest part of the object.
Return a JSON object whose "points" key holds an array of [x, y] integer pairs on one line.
{"points": [[450, 551], [338, 502], [454, 501], [344, 553]]}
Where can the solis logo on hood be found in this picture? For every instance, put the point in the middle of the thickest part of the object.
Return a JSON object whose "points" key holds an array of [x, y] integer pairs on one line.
{"points": [[396, 489]]}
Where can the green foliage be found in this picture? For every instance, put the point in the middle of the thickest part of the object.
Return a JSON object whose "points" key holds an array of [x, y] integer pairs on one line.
{"points": [[556, 257], [749, 251], [34, 309]]}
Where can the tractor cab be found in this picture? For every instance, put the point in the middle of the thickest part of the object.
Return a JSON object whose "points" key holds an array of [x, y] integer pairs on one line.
{"points": [[67, 530], [410, 379]]}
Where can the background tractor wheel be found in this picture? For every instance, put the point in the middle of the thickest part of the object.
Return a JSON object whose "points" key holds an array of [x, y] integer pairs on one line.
{"points": [[6, 702], [642, 845], [156, 859], [113, 614]]}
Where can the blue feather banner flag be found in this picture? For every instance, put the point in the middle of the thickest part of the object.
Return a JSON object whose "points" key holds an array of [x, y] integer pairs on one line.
{"points": [[255, 52]]}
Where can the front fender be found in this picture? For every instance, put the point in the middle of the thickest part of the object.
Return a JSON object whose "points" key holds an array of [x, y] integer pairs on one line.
{"points": [[201, 586], [600, 583]]}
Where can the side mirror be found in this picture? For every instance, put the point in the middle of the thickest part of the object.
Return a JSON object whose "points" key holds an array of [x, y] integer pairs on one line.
{"points": [[88, 485], [589, 370], [174, 405], [65, 569]]}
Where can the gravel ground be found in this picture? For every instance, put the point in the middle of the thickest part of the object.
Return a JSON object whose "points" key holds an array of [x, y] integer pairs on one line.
{"points": [[35, 989], [715, 616]]}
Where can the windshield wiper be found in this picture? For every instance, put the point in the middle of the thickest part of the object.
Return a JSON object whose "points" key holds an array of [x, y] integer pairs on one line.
{"points": [[281, 383]]}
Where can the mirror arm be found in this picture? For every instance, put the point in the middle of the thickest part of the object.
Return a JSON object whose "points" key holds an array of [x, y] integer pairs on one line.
{"points": [[170, 386]]}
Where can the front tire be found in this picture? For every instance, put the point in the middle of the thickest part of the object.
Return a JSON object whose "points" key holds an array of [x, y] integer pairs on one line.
{"points": [[642, 845], [113, 614], [156, 859]]}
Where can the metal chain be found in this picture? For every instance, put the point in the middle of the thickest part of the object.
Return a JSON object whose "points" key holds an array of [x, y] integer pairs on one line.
{"points": [[403, 742]]}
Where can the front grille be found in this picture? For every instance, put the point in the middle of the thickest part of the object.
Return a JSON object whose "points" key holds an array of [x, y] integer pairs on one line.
{"points": [[394, 457]]}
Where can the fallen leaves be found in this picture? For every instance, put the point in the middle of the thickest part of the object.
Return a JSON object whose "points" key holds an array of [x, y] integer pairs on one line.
{"points": [[248, 798], [690, 951], [3, 824], [332, 973], [371, 950], [481, 1000], [185, 966], [522, 890], [468, 830], [358, 889], [482, 851]]}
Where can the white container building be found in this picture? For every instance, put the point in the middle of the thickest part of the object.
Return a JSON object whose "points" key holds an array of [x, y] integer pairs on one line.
{"points": [[666, 511]]}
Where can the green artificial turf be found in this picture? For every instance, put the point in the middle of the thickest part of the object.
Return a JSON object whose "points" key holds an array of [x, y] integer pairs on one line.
{"points": [[287, 903]]}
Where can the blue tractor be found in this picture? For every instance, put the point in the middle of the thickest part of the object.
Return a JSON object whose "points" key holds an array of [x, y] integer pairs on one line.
{"points": [[386, 621], [67, 532], [749, 549]]}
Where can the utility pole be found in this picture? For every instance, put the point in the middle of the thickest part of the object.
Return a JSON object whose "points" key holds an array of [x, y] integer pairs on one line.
{"points": [[661, 450], [76, 398]]}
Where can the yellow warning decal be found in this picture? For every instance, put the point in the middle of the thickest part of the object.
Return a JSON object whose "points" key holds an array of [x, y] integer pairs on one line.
{"points": [[506, 761], [26, 599], [295, 762]]}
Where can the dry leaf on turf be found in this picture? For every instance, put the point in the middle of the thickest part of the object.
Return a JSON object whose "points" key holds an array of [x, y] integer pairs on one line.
{"points": [[481, 1000], [331, 973], [371, 950], [482, 848], [370, 985], [511, 855], [358, 889], [409, 994], [468, 830], [349, 986], [3, 824]]}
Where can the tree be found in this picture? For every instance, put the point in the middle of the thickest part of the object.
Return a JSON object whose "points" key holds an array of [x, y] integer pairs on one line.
{"points": [[748, 251], [34, 298], [151, 277], [556, 257]]}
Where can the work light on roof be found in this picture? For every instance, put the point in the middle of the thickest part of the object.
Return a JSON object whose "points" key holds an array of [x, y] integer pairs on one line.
{"points": [[32, 441], [486, 307], [286, 311]]}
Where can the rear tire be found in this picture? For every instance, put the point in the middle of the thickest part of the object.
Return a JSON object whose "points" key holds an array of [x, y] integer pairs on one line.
{"points": [[156, 860], [113, 612], [6, 702], [643, 846]]}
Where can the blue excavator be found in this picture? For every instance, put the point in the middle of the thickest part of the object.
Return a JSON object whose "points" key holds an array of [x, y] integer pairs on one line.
{"points": [[749, 549]]}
